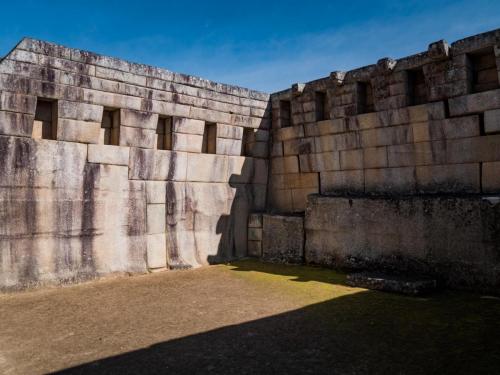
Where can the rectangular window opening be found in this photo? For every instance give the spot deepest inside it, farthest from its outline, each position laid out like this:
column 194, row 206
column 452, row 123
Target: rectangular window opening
column 45, row 122
column 285, row 113
column 417, row 90
column 209, row 144
column 164, row 133
column 322, row 109
column 110, row 127
column 365, row 97
column 247, row 141
column 482, row 70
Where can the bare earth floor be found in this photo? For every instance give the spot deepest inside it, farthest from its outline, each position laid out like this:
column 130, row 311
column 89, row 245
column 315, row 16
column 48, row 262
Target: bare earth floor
column 242, row 318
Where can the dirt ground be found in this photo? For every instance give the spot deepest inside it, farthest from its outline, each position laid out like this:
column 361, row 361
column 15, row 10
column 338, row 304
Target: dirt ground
column 245, row 318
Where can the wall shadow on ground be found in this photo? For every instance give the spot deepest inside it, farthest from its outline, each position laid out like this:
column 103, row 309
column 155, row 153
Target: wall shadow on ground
column 362, row 333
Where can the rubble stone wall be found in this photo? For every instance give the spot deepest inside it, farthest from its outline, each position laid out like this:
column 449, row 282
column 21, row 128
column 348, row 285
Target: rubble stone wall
column 86, row 186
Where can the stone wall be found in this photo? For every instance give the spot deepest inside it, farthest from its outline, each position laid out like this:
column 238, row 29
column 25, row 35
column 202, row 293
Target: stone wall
column 397, row 164
column 109, row 166
column 424, row 124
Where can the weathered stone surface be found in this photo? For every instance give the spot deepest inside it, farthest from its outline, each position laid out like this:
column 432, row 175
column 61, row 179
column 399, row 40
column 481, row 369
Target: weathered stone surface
column 188, row 126
column 157, row 252
column 17, row 102
column 79, row 111
column 342, row 182
column 137, row 137
column 78, row 131
column 207, row 168
column 491, row 177
column 412, row 286
column 390, row 181
column 255, row 221
column 452, row 238
column 492, row 121
column 187, row 142
column 107, row 154
column 16, row 124
column 283, row 239
column 454, row 178
column 157, row 165
column 138, row 119
column 226, row 146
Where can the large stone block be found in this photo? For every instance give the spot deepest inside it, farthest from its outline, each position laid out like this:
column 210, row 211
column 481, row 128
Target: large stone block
column 325, row 127
column 16, row 124
column 287, row 164
column 453, row 238
column 138, row 119
column 229, row 131
column 283, row 239
column 342, row 182
column 474, row 103
column 336, row 142
column 386, row 136
column 327, row 161
column 79, row 111
column 492, row 121
column 158, row 165
column 390, row 181
column 156, row 216
column 475, row 149
column 17, row 102
column 207, row 168
column 107, row 154
column 188, row 126
column 454, row 178
column 137, row 137
column 187, row 142
column 227, row 146
column 291, row 132
column 351, row 159
column 491, row 177
column 78, row 131
column 375, row 157
column 156, row 250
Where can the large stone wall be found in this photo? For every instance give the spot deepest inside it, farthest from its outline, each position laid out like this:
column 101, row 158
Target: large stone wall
column 448, row 143
column 72, row 207
column 397, row 164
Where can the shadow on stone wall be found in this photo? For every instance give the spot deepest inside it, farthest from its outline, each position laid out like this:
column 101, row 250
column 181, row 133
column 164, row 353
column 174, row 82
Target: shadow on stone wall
column 363, row 333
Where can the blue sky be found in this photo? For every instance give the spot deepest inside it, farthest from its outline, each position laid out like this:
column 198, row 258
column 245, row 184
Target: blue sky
column 264, row 45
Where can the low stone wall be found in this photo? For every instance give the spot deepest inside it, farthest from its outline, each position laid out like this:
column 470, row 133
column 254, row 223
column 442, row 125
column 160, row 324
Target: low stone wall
column 455, row 239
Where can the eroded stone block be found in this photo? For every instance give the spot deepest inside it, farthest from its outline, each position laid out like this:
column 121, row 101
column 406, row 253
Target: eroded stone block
column 283, row 239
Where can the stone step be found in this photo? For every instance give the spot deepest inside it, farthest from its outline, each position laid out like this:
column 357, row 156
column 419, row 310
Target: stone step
column 392, row 283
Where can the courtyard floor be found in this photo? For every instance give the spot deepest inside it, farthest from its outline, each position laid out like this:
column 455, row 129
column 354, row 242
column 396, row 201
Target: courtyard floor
column 245, row 318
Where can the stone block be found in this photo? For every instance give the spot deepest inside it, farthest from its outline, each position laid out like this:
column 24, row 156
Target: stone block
column 257, row 149
column 107, row 154
column 156, row 218
column 138, row 119
column 375, row 157
column 291, row 132
column 418, row 235
column 454, row 178
column 300, row 196
column 351, row 159
column 325, row 127
column 492, row 121
column 207, row 168
column 156, row 192
column 158, row 165
column 260, row 171
column 342, row 182
column 417, row 154
column 17, row 103
column 156, row 251
column 283, row 239
column 491, row 177
column 390, row 181
column 255, row 249
column 188, row 126
column 78, row 131
column 187, row 142
column 259, row 197
column 255, row 234
column 368, row 120
column 277, row 149
column 240, row 170
column 79, row 111
column 137, row 137
column 229, row 131
column 281, row 200
column 255, row 221
column 475, row 149
column 336, row 142
column 426, row 112
column 16, row 124
column 227, row 146
column 299, row 146
column 474, row 103
column 386, row 136
column 327, row 161
column 287, row 164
